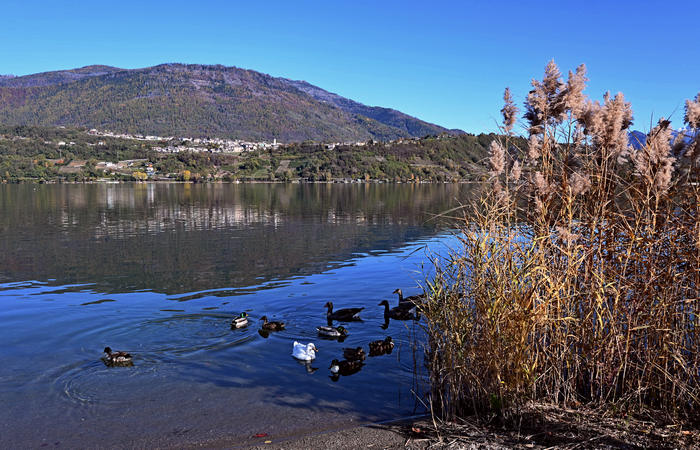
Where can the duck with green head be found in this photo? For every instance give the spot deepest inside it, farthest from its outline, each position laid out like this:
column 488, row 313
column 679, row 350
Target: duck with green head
column 240, row 321
column 334, row 332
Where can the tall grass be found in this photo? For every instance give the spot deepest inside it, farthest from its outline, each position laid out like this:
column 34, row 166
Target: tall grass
column 578, row 276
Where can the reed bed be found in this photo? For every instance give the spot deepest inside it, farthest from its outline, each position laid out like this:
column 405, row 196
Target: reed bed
column 577, row 277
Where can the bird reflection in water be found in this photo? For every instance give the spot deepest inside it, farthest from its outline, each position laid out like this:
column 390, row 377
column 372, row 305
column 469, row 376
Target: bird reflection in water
column 307, row 365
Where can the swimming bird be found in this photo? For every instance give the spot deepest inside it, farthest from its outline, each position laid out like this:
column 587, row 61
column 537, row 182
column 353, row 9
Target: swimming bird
column 240, row 321
column 377, row 348
column 117, row 358
column 397, row 312
column 332, row 331
column 345, row 314
column 271, row 326
column 354, row 354
column 304, row 352
column 413, row 300
column 345, row 367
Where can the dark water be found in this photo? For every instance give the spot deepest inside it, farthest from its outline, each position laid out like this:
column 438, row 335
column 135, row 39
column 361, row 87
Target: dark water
column 160, row 269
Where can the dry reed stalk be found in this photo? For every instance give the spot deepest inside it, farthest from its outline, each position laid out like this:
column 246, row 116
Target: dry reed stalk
column 578, row 276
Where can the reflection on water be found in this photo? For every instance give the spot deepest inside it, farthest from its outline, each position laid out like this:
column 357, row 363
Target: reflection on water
column 160, row 271
column 179, row 238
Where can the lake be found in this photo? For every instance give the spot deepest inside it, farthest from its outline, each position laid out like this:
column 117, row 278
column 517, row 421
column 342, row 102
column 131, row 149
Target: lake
column 160, row 270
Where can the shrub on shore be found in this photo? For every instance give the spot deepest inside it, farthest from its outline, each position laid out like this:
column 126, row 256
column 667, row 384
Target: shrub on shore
column 578, row 276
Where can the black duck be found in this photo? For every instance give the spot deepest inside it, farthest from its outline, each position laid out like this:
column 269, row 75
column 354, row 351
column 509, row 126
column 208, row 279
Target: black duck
column 397, row 312
column 345, row 314
column 345, row 367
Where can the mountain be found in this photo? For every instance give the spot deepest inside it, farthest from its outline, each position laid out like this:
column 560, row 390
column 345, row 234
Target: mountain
column 638, row 139
column 198, row 101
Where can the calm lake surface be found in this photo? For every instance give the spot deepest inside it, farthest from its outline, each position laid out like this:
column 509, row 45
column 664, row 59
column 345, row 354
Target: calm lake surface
column 161, row 269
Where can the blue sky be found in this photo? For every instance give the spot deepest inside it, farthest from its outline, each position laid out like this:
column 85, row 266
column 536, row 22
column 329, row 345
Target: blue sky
column 446, row 62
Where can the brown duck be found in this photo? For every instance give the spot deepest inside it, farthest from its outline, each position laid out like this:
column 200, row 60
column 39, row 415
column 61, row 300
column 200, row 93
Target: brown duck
column 354, row 354
column 381, row 347
column 117, row 358
column 271, row 326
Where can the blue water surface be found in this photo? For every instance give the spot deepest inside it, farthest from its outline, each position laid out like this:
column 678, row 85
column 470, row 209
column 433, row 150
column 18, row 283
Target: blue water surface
column 160, row 270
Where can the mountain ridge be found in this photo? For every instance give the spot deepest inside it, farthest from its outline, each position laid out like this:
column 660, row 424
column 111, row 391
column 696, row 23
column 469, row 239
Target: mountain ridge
column 199, row 100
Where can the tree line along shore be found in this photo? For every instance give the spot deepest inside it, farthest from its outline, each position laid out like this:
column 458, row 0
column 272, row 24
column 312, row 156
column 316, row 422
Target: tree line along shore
column 61, row 154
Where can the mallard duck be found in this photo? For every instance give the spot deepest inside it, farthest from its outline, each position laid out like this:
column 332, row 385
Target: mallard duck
column 271, row 326
column 240, row 321
column 304, row 352
column 345, row 314
column 117, row 358
column 397, row 312
column 345, row 367
column 410, row 301
column 380, row 347
column 354, row 354
column 332, row 331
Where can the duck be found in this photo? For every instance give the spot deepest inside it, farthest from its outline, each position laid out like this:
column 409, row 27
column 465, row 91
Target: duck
column 345, row 367
column 354, row 354
column 345, row 314
column 117, row 358
column 398, row 312
column 380, row 347
column 332, row 331
column 240, row 321
column 304, row 352
column 271, row 326
column 412, row 300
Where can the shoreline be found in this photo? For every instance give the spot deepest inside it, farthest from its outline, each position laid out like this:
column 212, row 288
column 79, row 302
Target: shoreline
column 237, row 182
column 541, row 427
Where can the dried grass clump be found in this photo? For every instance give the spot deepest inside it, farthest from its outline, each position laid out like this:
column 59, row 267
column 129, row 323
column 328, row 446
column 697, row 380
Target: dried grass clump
column 579, row 273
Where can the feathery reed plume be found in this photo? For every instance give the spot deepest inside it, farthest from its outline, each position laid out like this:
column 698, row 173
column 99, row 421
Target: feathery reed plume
column 533, row 147
column 608, row 124
column 545, row 103
column 653, row 162
column 574, row 99
column 540, row 184
column 516, row 171
column 583, row 286
column 692, row 112
column 692, row 119
column 497, row 158
column 580, row 184
column 509, row 112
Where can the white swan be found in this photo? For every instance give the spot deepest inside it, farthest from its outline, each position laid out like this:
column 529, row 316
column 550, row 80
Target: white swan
column 304, row 352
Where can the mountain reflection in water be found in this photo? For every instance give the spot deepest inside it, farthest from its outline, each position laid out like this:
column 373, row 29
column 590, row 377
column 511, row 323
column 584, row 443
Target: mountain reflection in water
column 184, row 238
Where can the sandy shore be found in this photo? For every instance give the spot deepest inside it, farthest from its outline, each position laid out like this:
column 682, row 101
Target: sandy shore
column 373, row 436
column 560, row 429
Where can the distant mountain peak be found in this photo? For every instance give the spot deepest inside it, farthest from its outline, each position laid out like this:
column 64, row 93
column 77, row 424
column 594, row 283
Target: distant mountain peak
column 199, row 100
